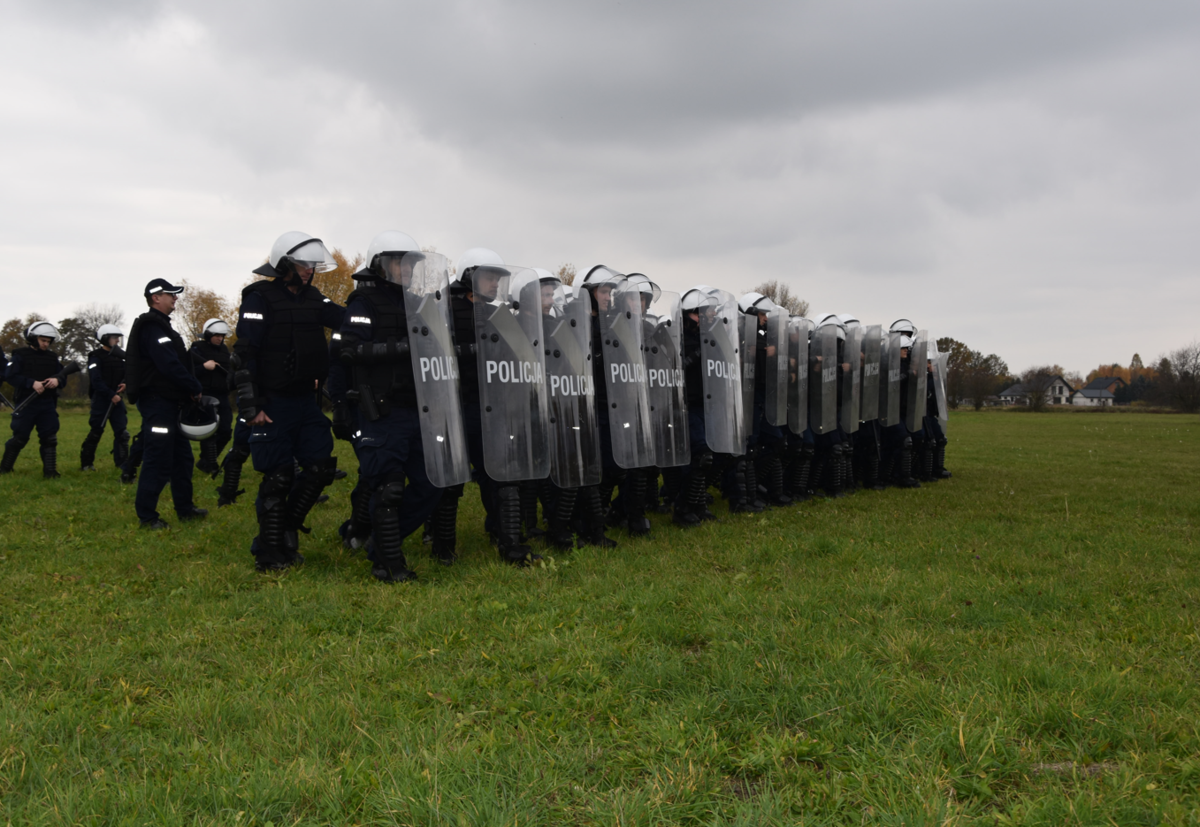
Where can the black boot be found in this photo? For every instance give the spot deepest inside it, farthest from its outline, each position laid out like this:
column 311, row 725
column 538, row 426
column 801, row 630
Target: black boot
column 771, row 467
column 357, row 530
column 752, row 493
column 561, row 536
column 121, row 448
column 530, row 529
column 129, row 468
column 819, row 473
column 508, row 506
column 270, row 551
column 49, row 452
column 836, row 469
column 799, row 474
column 905, row 478
column 445, row 526
column 228, row 491
column 927, row 450
column 691, row 507
column 590, row 502
column 386, row 549
column 87, row 452
column 12, row 449
column 939, row 460
column 633, row 492
column 741, row 499
column 307, row 491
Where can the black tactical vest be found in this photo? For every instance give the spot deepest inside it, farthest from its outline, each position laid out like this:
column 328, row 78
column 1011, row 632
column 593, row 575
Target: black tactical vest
column 38, row 365
column 693, row 375
column 295, row 353
column 140, row 373
column 112, row 367
column 214, row 382
column 392, row 381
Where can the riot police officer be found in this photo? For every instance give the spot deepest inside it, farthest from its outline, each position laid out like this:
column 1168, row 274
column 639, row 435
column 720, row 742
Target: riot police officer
column 159, row 381
column 37, row 376
column 106, row 383
column 376, row 344
column 212, row 363
column 284, row 357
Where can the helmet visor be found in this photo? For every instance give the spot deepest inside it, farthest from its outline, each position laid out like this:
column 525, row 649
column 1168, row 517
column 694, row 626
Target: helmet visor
column 312, row 254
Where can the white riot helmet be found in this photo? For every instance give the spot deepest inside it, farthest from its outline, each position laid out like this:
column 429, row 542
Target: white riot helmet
column 905, row 341
column 903, row 326
column 601, row 274
column 199, row 420
column 699, row 296
column 849, row 320
column 214, row 327
column 476, row 257
column 40, row 329
column 106, row 331
column 296, row 248
column 830, row 319
column 645, row 286
column 390, row 244
column 755, row 303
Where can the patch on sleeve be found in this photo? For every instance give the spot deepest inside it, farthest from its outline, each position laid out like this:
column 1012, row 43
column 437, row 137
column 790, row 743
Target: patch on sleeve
column 164, row 340
column 359, row 320
column 254, row 316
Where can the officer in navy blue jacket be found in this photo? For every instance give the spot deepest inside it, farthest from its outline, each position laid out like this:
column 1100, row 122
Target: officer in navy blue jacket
column 106, row 382
column 284, row 357
column 160, row 382
column 35, row 372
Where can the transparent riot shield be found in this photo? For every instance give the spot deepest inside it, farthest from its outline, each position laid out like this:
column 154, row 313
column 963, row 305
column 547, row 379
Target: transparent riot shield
column 851, row 379
column 889, row 379
column 918, row 373
column 775, row 342
column 748, row 351
column 871, row 347
column 624, row 368
column 721, row 373
column 574, row 435
column 512, row 373
column 435, row 366
column 797, row 405
column 822, row 379
column 937, row 375
column 664, row 375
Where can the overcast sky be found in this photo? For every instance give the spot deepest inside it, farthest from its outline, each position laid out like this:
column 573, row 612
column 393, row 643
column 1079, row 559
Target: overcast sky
column 1019, row 175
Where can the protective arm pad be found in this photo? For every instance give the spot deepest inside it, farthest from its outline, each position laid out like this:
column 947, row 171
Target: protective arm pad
column 248, row 401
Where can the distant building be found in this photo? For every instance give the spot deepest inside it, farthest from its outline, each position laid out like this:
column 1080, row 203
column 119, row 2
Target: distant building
column 1093, row 397
column 1105, row 383
column 1058, row 393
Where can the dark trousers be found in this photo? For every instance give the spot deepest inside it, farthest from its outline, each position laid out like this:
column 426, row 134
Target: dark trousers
column 41, row 413
column 118, row 419
column 166, row 457
column 390, row 450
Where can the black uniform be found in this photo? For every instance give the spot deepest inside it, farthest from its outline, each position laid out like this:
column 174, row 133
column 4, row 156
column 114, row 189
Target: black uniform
column 216, row 384
column 106, row 373
column 29, row 365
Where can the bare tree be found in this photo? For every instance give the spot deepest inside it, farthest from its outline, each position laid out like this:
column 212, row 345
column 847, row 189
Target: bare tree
column 781, row 294
column 1179, row 378
column 93, row 315
column 1035, row 383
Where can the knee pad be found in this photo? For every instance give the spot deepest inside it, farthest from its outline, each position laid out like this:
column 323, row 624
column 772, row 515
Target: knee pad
column 323, row 470
column 908, row 442
column 49, row 442
column 277, row 484
column 239, row 453
column 391, row 492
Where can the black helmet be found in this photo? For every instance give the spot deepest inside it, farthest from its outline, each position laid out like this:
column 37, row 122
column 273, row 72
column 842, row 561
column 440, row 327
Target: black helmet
column 199, row 419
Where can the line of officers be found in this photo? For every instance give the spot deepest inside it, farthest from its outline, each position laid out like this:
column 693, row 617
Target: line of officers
column 601, row 402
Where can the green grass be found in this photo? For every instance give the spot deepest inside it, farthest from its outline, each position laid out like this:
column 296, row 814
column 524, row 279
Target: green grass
column 1016, row 645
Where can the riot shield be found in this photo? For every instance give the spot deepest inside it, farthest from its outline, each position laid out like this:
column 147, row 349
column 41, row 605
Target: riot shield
column 435, row 366
column 720, row 369
column 937, row 375
column 775, row 341
column 574, row 435
column 748, row 352
column 624, row 369
column 822, row 379
column 664, row 374
column 512, row 373
column 918, row 373
column 851, row 389
column 871, row 346
column 889, row 379
column 797, row 362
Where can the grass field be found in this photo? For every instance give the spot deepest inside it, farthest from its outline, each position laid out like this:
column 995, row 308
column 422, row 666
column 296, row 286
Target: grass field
column 1016, row 645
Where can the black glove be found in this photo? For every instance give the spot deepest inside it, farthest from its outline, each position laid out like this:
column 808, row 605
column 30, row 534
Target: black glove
column 342, row 428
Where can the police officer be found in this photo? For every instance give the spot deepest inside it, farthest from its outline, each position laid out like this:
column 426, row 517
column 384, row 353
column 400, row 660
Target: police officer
column 284, row 356
column 898, row 441
column 37, row 376
column 160, row 382
column 691, row 503
column 375, row 344
column 212, row 363
column 106, row 383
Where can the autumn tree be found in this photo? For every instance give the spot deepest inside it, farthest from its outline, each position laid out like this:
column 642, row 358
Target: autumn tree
column 970, row 374
column 1035, row 383
column 782, row 295
column 1179, row 378
column 195, row 306
column 566, row 273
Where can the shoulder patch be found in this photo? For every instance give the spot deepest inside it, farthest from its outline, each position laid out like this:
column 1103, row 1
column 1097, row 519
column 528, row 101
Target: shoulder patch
column 253, row 316
column 164, row 340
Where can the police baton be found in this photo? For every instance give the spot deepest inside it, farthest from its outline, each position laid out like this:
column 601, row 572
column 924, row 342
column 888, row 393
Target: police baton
column 72, row 367
column 4, row 400
column 104, row 421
